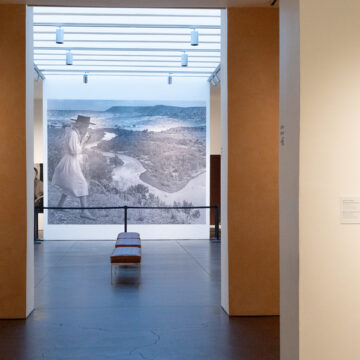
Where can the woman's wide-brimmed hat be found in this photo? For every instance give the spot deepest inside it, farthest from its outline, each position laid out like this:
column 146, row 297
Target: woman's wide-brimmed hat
column 84, row 120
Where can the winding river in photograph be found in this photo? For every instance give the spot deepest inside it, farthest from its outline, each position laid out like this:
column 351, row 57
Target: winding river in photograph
column 153, row 155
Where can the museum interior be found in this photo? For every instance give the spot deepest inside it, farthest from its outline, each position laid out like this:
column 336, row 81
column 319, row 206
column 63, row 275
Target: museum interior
column 179, row 182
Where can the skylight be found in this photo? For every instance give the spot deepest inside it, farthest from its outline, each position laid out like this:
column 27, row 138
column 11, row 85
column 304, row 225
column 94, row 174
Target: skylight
column 127, row 41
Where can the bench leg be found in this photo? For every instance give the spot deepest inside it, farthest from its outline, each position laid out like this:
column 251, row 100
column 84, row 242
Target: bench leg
column 115, row 266
column 111, row 270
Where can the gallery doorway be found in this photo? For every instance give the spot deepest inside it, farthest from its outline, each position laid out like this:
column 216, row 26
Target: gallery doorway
column 146, row 85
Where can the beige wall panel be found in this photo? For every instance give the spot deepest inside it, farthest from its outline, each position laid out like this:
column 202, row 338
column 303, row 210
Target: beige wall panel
column 215, row 119
column 13, row 223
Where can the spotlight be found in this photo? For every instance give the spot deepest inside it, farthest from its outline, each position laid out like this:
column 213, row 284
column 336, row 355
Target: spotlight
column 170, row 79
column 194, row 38
column 85, row 78
column 59, row 35
column 216, row 78
column 184, row 59
column 69, row 58
column 212, row 82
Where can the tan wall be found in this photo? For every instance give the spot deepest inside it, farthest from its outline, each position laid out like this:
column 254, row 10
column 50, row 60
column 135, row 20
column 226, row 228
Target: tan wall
column 13, row 223
column 215, row 123
column 253, row 234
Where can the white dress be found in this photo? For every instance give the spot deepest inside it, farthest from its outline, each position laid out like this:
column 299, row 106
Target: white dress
column 68, row 175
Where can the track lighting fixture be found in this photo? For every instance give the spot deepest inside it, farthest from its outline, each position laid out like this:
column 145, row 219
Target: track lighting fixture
column 194, row 38
column 170, row 79
column 69, row 58
column 85, row 78
column 59, row 35
column 184, row 59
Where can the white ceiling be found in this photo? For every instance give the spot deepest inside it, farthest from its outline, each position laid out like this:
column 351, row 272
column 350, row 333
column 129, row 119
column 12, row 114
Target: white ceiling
column 146, row 42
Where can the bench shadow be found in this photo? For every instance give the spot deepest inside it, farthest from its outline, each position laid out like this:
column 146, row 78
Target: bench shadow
column 126, row 276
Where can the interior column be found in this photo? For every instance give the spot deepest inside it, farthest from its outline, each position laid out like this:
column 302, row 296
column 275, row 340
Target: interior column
column 16, row 252
column 252, row 232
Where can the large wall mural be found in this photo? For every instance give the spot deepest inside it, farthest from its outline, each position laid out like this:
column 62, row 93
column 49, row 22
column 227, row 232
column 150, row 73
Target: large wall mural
column 111, row 153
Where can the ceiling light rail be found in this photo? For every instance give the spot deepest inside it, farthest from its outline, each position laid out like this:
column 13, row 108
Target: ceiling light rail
column 125, row 66
column 125, row 71
column 77, row 48
column 127, row 15
column 132, row 74
column 60, row 59
column 69, row 32
column 193, row 56
column 128, row 41
column 138, row 26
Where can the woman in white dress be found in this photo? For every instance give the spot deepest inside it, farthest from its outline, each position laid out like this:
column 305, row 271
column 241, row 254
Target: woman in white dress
column 68, row 175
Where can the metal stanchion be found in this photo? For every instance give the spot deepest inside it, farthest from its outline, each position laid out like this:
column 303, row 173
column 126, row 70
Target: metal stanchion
column 126, row 208
column 217, row 221
column 125, row 218
column 36, row 225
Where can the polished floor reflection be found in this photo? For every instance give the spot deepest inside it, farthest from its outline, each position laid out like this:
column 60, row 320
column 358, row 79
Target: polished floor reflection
column 168, row 310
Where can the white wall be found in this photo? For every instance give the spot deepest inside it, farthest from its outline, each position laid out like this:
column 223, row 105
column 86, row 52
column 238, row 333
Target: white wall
column 329, row 169
column 327, row 63
column 224, row 167
column 123, row 88
column 289, row 179
column 38, row 130
column 30, row 293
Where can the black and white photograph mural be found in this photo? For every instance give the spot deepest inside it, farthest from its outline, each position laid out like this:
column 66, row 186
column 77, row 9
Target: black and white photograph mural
column 116, row 153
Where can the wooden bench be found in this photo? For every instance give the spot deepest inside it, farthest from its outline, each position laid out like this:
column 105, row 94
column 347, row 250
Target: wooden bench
column 128, row 235
column 126, row 255
column 128, row 243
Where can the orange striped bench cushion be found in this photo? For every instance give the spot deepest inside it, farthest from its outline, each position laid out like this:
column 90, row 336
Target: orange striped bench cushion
column 128, row 242
column 128, row 235
column 126, row 255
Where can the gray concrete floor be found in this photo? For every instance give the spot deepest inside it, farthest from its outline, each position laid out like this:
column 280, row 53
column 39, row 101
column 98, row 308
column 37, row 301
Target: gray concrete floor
column 168, row 310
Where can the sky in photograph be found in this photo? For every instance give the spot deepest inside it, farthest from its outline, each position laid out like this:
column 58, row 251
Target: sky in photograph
column 103, row 105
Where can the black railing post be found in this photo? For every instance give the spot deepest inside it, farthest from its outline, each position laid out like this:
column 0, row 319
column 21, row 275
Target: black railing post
column 217, row 220
column 36, row 224
column 125, row 218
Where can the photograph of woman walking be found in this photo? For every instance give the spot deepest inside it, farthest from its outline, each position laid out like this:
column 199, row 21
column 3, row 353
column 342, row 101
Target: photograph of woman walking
column 141, row 154
column 68, row 175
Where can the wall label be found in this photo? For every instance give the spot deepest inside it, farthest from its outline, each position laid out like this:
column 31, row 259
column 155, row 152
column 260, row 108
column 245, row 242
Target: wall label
column 350, row 210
